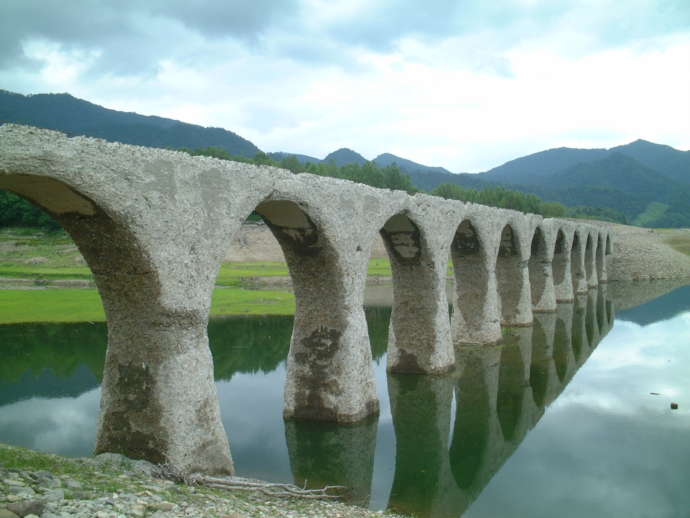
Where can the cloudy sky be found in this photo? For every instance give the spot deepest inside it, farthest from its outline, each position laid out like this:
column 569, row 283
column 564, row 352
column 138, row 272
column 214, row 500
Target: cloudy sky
column 462, row 84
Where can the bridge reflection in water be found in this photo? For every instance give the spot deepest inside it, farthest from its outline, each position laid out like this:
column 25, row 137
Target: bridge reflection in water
column 453, row 432
column 498, row 394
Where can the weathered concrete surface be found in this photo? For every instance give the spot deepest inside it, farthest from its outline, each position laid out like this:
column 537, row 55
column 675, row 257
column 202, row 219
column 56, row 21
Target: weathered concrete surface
column 476, row 307
column 418, row 243
column 154, row 227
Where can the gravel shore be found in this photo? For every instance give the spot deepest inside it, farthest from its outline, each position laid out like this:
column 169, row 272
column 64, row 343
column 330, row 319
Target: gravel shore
column 641, row 254
column 38, row 485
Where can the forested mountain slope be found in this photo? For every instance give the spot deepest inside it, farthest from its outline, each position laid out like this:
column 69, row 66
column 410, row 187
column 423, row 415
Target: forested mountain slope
column 74, row 116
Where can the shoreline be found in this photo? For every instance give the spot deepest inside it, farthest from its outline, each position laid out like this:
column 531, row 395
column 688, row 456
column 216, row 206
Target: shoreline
column 110, row 486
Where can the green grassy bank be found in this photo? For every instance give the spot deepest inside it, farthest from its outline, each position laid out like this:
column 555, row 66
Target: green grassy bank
column 65, row 305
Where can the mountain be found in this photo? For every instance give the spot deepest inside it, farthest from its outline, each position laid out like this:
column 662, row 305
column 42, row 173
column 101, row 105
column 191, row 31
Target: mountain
column 74, row 116
column 671, row 162
column 532, row 169
column 406, row 165
column 344, row 156
column 619, row 182
column 305, row 159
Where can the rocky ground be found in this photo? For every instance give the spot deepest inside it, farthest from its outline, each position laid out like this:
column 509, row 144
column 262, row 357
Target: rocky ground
column 36, row 485
column 649, row 254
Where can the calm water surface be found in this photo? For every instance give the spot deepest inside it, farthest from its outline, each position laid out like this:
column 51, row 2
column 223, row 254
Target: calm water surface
column 561, row 420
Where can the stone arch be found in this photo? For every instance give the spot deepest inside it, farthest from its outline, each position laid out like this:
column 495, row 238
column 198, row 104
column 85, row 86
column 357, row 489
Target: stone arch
column 510, row 276
column 540, row 273
column 590, row 253
column 137, row 417
column 577, row 265
column 419, row 336
column 562, row 280
column 329, row 372
column 475, row 318
column 600, row 256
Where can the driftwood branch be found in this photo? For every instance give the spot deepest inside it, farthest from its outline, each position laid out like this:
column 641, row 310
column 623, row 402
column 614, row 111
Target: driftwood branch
column 167, row 471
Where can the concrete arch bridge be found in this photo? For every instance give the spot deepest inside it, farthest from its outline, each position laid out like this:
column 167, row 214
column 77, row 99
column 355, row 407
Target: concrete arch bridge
column 154, row 226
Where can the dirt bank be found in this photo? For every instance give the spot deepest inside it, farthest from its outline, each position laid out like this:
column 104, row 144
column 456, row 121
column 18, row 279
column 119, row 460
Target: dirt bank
column 638, row 253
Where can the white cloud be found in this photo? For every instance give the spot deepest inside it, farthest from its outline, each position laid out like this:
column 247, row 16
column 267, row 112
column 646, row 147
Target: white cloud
column 466, row 88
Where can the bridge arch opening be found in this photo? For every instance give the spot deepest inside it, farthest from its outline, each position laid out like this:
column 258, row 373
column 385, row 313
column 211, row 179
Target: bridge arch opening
column 418, row 340
column 538, row 266
column 509, row 276
column 601, row 259
column 560, row 259
column 108, row 247
column 473, row 282
column 577, row 273
column 590, row 259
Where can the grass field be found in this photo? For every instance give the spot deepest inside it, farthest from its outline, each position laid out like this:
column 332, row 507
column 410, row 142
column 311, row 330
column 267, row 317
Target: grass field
column 31, row 254
column 45, row 257
column 678, row 240
column 65, row 305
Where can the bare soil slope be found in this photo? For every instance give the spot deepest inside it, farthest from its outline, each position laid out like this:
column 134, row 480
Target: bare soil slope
column 638, row 253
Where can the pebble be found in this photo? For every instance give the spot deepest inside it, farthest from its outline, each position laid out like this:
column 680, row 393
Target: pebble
column 27, row 507
column 21, row 491
column 73, row 484
column 54, row 494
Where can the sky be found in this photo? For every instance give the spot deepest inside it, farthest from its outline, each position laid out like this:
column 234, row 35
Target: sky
column 466, row 85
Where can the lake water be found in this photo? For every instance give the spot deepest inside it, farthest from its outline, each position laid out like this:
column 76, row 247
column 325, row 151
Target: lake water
column 568, row 418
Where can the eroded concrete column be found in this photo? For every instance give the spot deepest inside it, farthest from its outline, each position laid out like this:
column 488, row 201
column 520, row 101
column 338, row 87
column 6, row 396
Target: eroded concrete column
column 476, row 309
column 419, row 339
column 158, row 397
column 329, row 371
